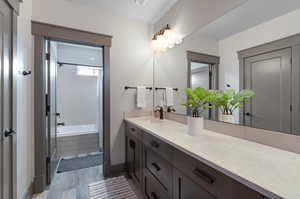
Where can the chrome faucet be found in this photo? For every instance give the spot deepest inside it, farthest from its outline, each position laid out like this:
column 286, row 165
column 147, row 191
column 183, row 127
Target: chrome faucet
column 160, row 109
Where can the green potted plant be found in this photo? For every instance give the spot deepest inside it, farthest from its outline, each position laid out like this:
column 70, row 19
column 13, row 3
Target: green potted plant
column 228, row 101
column 197, row 102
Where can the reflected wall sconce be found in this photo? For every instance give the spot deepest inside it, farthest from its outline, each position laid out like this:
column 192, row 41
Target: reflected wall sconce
column 165, row 39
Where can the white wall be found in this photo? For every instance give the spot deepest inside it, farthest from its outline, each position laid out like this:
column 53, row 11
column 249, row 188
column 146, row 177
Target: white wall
column 187, row 16
column 171, row 67
column 131, row 60
column 77, row 99
column 273, row 30
column 25, row 138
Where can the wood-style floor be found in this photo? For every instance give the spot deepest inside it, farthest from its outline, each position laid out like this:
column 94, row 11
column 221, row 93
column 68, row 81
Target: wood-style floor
column 74, row 184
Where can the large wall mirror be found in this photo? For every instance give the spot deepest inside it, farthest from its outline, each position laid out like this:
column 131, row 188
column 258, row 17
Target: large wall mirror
column 238, row 51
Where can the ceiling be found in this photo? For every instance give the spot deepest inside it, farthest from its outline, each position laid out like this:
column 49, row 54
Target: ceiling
column 150, row 12
column 248, row 15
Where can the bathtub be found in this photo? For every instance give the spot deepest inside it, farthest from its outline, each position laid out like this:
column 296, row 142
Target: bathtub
column 72, row 130
column 74, row 140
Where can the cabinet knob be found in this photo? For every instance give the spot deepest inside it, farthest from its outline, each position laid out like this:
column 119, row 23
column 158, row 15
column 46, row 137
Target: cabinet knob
column 154, row 144
column 132, row 144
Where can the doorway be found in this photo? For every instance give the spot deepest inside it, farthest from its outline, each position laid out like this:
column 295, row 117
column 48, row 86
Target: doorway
column 269, row 75
column 203, row 72
column 74, row 96
column 57, row 119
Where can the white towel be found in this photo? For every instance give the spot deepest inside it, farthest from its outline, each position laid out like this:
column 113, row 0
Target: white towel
column 141, row 97
column 169, row 97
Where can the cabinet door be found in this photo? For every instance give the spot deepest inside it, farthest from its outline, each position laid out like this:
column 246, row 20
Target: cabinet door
column 184, row 188
column 134, row 158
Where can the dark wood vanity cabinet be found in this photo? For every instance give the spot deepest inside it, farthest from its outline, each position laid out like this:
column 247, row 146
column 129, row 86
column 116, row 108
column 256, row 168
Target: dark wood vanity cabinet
column 184, row 188
column 134, row 154
column 163, row 172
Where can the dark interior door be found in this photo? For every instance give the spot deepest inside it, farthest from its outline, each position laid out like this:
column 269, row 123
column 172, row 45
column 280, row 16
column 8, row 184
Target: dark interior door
column 269, row 75
column 52, row 159
column 7, row 133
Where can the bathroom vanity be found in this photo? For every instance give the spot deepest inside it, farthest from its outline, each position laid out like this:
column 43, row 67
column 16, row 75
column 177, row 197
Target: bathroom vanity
column 165, row 162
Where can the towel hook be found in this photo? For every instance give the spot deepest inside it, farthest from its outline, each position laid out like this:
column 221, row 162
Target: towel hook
column 25, row 73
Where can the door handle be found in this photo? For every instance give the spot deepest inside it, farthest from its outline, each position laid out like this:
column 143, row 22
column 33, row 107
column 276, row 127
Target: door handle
column 248, row 114
column 60, row 124
column 9, row 132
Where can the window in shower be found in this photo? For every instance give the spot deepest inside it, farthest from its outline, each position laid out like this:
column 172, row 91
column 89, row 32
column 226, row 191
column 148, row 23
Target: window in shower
column 79, row 99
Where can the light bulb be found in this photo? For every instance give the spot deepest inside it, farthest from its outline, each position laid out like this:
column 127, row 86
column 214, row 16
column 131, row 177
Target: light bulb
column 178, row 40
column 154, row 44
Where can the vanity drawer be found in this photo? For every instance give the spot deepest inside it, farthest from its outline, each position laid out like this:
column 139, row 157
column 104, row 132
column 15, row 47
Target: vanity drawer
column 153, row 189
column 160, row 168
column 216, row 183
column 158, row 146
column 133, row 130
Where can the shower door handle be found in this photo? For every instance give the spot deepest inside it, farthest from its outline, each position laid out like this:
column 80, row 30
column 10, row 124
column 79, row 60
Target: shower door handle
column 60, row 124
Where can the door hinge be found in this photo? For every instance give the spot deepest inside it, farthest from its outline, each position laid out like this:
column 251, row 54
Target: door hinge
column 48, row 160
column 47, row 105
column 47, row 56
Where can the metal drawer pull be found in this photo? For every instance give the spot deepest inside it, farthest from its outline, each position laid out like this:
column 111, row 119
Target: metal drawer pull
column 154, row 195
column 156, row 166
column 154, row 144
column 204, row 176
column 9, row 132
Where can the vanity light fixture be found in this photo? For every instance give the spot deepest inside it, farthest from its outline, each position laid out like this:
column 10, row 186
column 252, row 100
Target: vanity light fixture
column 165, row 39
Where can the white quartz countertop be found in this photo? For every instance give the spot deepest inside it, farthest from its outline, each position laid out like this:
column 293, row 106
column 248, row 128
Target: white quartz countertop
column 270, row 171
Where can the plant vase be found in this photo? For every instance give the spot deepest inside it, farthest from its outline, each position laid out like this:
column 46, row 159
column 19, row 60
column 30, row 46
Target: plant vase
column 227, row 118
column 195, row 125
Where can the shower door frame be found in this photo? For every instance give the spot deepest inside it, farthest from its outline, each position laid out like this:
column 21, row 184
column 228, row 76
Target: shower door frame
column 41, row 33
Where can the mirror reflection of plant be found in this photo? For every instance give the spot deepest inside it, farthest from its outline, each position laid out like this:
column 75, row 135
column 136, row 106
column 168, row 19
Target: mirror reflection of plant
column 229, row 100
column 198, row 101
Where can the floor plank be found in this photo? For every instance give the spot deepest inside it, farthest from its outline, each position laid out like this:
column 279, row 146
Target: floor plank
column 74, row 184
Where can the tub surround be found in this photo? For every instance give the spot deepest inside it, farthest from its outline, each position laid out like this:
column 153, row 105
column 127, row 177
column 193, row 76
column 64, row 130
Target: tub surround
column 272, row 172
column 74, row 145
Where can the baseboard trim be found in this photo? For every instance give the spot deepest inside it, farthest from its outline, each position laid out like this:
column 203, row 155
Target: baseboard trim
column 117, row 169
column 39, row 184
column 29, row 192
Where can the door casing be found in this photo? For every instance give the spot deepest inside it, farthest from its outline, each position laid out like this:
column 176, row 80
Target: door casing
column 41, row 33
column 13, row 75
